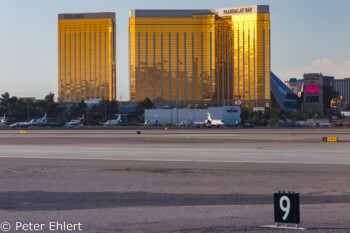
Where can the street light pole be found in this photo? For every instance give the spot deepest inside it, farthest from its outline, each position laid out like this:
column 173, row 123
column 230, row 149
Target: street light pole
column 27, row 110
column 177, row 114
column 105, row 105
column 171, row 116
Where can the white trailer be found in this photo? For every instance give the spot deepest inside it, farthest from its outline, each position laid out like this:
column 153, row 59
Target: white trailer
column 230, row 115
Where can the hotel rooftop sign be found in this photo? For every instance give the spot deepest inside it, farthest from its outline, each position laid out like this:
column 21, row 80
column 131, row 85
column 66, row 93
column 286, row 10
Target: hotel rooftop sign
column 242, row 10
column 189, row 13
column 72, row 16
column 75, row 16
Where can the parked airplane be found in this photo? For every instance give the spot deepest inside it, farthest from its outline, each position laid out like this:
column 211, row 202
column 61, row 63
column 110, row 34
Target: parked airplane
column 4, row 119
column 210, row 122
column 191, row 123
column 52, row 124
column 326, row 124
column 301, row 123
column 114, row 121
column 3, row 122
column 188, row 122
column 75, row 123
column 33, row 122
column 151, row 122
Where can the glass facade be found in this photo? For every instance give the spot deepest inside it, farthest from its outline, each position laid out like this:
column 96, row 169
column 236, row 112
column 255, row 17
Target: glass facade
column 86, row 56
column 212, row 56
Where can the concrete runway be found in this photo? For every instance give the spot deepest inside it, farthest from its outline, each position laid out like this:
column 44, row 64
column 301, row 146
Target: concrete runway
column 203, row 145
column 183, row 180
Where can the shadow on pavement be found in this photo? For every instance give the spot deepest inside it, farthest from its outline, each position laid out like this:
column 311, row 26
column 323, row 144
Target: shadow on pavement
column 35, row 200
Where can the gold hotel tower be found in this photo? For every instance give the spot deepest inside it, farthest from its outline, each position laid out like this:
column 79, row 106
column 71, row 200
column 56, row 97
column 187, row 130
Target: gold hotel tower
column 86, row 56
column 201, row 56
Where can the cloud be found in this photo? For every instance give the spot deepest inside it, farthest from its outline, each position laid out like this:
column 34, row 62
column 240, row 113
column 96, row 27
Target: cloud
column 323, row 61
column 323, row 65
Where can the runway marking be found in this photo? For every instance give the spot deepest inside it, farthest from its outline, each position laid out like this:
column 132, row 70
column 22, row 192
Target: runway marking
column 178, row 160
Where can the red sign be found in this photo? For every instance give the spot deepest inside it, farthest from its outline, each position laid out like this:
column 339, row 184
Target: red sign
column 232, row 110
column 312, row 89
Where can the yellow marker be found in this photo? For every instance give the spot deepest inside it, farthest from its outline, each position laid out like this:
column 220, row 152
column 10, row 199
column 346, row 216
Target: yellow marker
column 330, row 139
column 166, row 128
column 22, row 131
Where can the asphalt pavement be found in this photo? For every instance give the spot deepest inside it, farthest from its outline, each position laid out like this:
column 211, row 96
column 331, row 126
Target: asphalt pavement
column 219, row 180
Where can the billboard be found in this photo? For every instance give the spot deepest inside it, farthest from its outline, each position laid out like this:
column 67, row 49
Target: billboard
column 312, row 89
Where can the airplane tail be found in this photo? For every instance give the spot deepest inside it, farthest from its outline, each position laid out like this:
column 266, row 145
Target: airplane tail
column 208, row 115
column 82, row 119
column 44, row 118
column 4, row 120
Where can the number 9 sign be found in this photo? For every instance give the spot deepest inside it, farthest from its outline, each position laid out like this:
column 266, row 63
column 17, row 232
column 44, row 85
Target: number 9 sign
column 287, row 207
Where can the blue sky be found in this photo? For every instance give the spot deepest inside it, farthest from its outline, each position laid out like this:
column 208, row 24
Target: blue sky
column 306, row 36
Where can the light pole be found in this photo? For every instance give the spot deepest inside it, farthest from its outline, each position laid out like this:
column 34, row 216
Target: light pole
column 27, row 110
column 171, row 116
column 105, row 106
column 87, row 117
column 177, row 114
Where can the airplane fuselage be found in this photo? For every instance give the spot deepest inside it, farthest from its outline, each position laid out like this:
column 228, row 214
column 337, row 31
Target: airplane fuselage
column 75, row 123
column 151, row 122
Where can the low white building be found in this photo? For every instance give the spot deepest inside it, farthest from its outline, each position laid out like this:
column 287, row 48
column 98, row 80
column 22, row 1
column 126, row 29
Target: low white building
column 230, row 115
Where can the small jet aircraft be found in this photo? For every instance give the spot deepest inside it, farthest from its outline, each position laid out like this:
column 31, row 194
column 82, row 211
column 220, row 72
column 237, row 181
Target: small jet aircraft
column 188, row 122
column 301, row 124
column 52, row 124
column 113, row 122
column 33, row 122
column 75, row 123
column 151, row 123
column 326, row 124
column 191, row 123
column 210, row 122
column 3, row 121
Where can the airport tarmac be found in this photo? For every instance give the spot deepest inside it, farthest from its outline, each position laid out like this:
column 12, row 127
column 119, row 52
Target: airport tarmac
column 183, row 180
column 202, row 145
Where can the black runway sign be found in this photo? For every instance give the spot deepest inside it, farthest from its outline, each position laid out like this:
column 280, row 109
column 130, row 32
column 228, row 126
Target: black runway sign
column 287, row 207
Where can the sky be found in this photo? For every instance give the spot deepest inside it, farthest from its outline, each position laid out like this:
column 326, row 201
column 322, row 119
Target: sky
column 306, row 36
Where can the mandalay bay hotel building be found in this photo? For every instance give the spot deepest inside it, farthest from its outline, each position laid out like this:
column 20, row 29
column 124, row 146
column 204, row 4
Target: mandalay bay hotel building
column 213, row 57
column 86, row 56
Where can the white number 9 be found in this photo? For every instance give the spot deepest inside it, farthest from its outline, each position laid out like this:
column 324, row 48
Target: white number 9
column 286, row 208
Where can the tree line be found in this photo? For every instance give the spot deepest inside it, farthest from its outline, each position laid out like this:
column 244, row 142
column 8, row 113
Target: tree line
column 273, row 115
column 18, row 109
